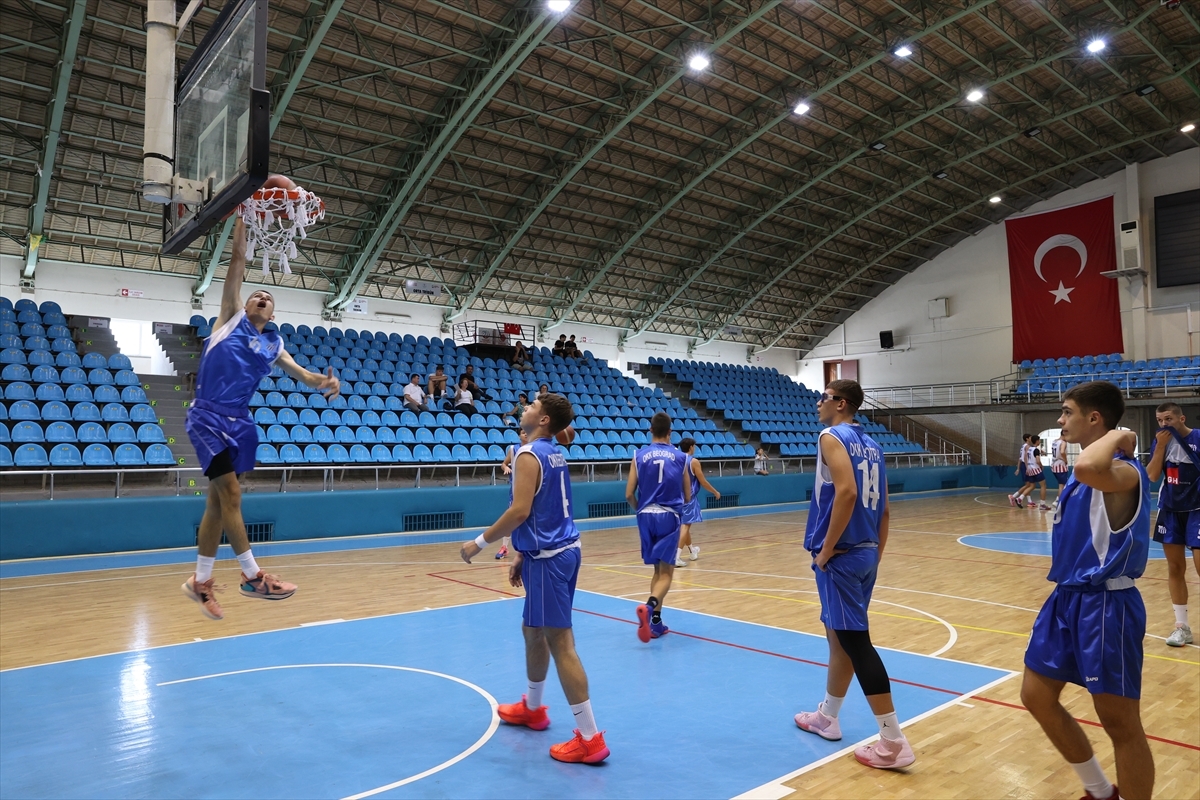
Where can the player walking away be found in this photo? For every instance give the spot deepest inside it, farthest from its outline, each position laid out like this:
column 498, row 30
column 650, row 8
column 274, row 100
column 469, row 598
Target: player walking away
column 1175, row 453
column 1058, row 465
column 1034, row 475
column 547, row 565
column 1015, row 499
column 691, row 510
column 510, row 456
column 237, row 355
column 846, row 532
column 658, row 488
column 1090, row 630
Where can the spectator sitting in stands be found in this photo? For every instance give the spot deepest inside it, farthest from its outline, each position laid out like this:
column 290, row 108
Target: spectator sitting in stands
column 521, row 358
column 414, row 396
column 760, row 462
column 543, row 390
column 462, row 400
column 570, row 349
column 513, row 415
column 469, row 374
column 560, row 347
column 438, row 384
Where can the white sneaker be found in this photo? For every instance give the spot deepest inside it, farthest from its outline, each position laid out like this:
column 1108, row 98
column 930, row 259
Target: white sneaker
column 679, row 562
column 1180, row 636
column 695, row 549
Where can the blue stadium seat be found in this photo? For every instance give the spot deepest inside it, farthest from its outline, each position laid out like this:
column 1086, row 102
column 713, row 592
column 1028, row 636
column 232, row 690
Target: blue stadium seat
column 121, row 432
column 60, row 432
column 277, row 434
column 126, row 378
column 266, row 454
column 118, row 361
column 99, row 376
column 159, row 455
column 114, row 412
column 28, row 432
column 65, row 455
column 150, row 432
column 92, row 432
column 315, row 454
column 85, row 412
column 15, row 372
column 73, row 375
column 402, row 454
column 338, row 454
column 24, row 409
column 6, row 458
column 56, row 409
column 12, row 355
column 107, row 394
column 18, row 391
column 94, row 361
column 31, row 455
column 291, row 454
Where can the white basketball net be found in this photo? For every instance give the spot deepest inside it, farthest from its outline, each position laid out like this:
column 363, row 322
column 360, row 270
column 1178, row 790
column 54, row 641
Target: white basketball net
column 273, row 218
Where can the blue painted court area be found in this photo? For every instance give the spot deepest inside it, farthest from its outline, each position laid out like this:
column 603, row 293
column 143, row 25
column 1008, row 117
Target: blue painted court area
column 1026, row 543
column 346, row 709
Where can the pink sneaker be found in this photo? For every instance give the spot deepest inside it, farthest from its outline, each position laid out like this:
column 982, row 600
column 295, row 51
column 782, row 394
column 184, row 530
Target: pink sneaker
column 886, row 754
column 267, row 587
column 1044, row 507
column 204, row 594
column 1012, row 500
column 818, row 723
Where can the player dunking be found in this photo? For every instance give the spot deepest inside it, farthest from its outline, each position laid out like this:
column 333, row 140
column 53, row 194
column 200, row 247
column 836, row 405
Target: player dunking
column 1175, row 454
column 691, row 510
column 237, row 355
column 547, row 564
column 846, row 532
column 1090, row 630
column 658, row 488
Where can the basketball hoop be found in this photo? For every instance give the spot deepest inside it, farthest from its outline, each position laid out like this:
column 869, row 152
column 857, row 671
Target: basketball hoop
column 273, row 218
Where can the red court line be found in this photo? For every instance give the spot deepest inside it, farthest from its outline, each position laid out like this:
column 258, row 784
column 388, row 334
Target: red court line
column 797, row 659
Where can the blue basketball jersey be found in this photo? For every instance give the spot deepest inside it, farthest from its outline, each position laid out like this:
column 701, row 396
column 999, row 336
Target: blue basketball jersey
column 687, row 466
column 867, row 461
column 235, row 358
column 1180, row 489
column 660, row 476
column 1085, row 550
column 549, row 525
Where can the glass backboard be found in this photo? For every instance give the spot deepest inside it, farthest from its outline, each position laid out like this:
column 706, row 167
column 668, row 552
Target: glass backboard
column 222, row 124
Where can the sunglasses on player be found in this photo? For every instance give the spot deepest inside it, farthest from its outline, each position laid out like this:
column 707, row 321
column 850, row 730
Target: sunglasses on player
column 825, row 398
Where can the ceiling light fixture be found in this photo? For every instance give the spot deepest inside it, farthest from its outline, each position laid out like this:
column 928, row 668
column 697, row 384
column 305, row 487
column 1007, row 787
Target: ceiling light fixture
column 904, row 51
column 941, row 174
column 1032, row 132
column 975, row 95
column 1096, row 45
column 877, row 146
column 1187, row 128
column 1144, row 90
column 699, row 62
column 802, row 108
column 558, row 6
column 994, row 199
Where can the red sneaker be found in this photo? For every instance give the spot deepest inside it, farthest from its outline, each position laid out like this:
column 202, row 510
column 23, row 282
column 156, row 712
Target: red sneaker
column 204, row 594
column 1114, row 796
column 521, row 714
column 580, row 750
column 643, row 629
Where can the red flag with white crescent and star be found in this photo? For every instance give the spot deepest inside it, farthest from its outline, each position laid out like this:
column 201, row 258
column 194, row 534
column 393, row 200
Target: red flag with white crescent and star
column 1061, row 304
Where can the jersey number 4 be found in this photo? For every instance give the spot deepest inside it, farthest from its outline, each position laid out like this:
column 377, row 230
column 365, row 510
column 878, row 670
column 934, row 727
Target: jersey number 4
column 870, row 484
column 562, row 484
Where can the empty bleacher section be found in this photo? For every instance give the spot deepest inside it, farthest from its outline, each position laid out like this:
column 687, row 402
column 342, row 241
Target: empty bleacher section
column 1157, row 376
column 70, row 398
column 763, row 403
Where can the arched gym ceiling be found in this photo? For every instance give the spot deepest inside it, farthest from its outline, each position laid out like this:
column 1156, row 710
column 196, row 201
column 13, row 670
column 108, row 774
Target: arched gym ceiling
column 572, row 168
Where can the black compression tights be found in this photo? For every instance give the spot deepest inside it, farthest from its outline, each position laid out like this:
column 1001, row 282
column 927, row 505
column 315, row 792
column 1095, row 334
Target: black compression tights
column 868, row 666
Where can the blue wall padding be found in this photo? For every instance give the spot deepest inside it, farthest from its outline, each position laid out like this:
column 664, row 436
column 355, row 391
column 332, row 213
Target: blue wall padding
column 42, row 528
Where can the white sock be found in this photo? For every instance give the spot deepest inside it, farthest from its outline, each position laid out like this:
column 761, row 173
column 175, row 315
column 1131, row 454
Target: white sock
column 584, row 721
column 1092, row 775
column 204, row 568
column 1180, row 614
column 248, row 564
column 832, row 706
column 889, row 726
column 533, row 697
column 679, row 554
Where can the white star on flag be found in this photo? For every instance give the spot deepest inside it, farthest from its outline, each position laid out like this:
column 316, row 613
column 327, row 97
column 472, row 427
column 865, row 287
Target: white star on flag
column 1062, row 294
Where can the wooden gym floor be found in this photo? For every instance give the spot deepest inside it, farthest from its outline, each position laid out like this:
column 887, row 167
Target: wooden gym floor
column 934, row 596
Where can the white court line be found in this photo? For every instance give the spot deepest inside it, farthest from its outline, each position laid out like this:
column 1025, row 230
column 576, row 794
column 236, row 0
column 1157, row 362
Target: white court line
column 773, row 790
column 322, row 622
column 494, row 722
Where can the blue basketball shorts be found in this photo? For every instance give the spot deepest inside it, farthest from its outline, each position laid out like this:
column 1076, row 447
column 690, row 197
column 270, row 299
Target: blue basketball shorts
column 659, row 532
column 1021, row 472
column 691, row 513
column 211, row 433
column 550, row 588
column 1060, row 478
column 1091, row 638
column 845, row 588
column 1178, row 527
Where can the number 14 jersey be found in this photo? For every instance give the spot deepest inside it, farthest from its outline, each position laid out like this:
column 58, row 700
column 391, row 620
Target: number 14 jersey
column 866, row 459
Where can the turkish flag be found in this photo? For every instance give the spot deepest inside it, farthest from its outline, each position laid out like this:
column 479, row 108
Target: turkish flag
column 1061, row 304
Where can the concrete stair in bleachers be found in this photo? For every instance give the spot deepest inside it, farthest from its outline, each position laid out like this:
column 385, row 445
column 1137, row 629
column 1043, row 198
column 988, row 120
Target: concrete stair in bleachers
column 92, row 335
column 169, row 396
column 653, row 374
column 181, row 346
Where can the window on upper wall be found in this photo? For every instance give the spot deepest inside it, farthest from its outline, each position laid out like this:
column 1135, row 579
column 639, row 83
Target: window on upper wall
column 1177, row 238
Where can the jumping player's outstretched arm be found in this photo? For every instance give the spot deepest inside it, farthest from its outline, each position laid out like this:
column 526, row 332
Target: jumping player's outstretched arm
column 327, row 384
column 525, row 486
column 231, row 294
column 631, row 484
column 845, row 494
column 698, row 471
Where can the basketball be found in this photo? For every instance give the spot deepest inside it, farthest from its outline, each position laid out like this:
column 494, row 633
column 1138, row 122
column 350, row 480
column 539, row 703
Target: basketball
column 278, row 182
column 565, row 436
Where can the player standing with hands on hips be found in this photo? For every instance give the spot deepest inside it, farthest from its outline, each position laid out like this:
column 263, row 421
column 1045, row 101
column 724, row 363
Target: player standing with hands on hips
column 846, row 532
column 1090, row 630
column 237, row 355
column 547, row 564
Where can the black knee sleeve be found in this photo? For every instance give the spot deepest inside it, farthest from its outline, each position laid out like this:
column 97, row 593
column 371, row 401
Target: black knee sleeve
column 868, row 666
